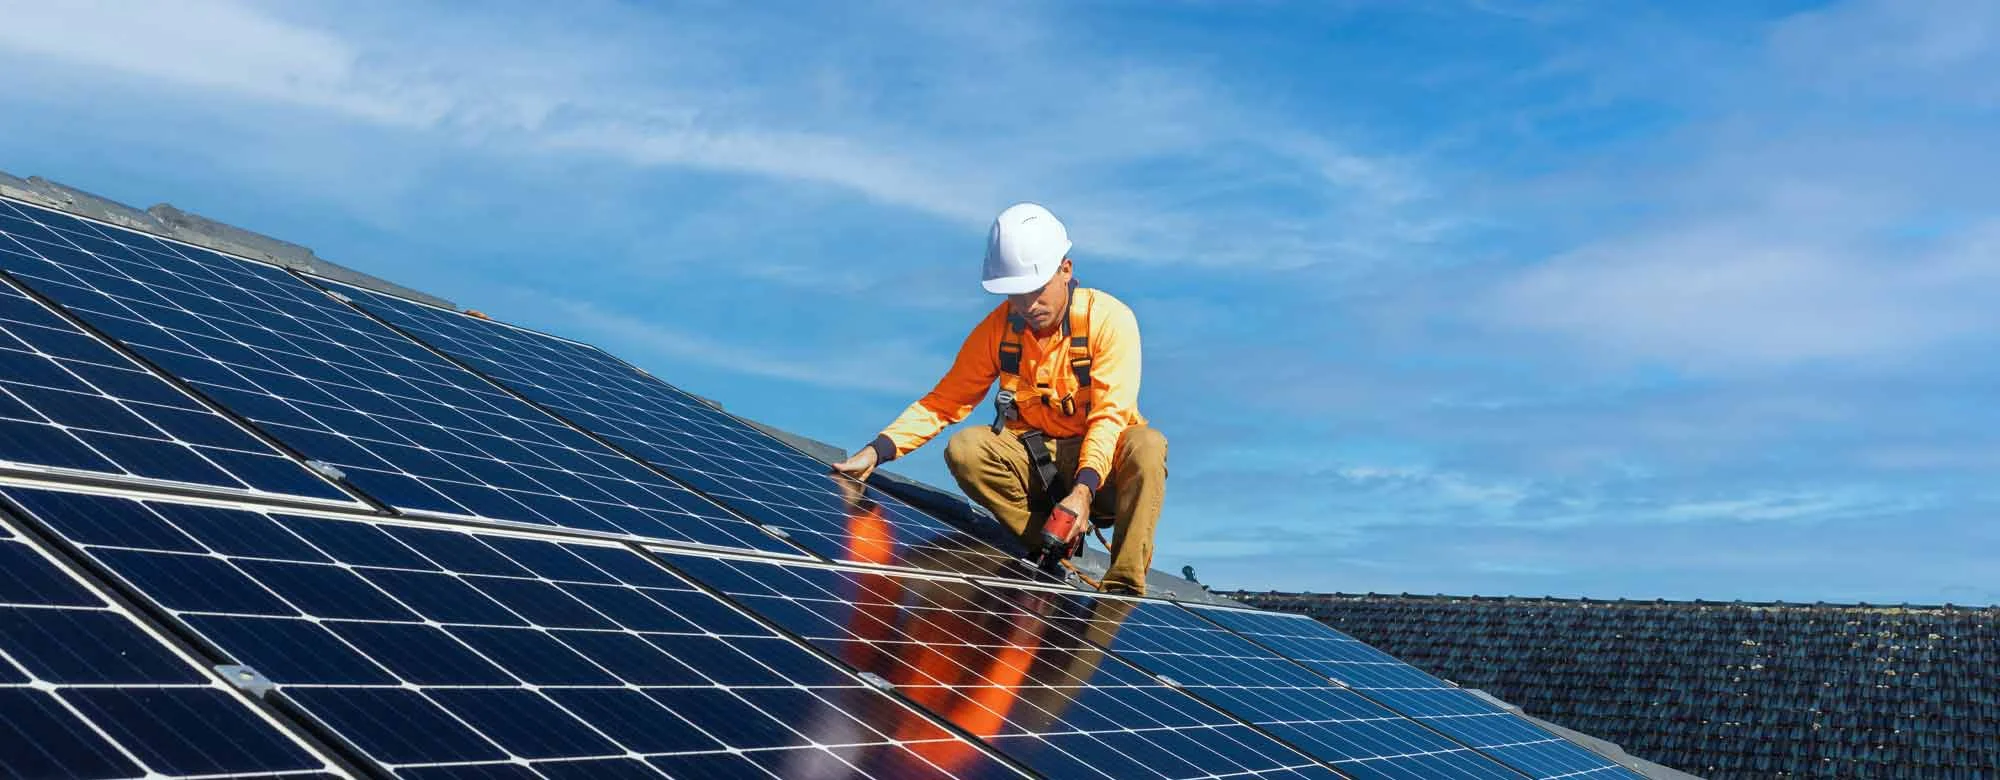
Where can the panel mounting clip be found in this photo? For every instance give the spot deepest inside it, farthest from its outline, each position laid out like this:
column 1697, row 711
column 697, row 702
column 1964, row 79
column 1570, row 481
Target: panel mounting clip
column 339, row 296
column 246, row 679
column 775, row 531
column 877, row 681
column 326, row 469
column 1168, row 681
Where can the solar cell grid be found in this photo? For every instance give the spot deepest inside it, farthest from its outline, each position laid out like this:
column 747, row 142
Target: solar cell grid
column 985, row 661
column 86, row 692
column 437, row 652
column 1405, row 689
column 406, row 427
column 734, row 463
column 69, row 401
column 1359, row 737
column 444, row 652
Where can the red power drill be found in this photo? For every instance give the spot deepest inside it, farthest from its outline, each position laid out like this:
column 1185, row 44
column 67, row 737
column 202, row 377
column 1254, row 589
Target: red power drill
column 1062, row 538
column 1062, row 533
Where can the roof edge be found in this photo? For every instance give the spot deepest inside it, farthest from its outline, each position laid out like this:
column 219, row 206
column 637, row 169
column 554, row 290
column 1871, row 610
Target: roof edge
column 1617, row 602
column 168, row 221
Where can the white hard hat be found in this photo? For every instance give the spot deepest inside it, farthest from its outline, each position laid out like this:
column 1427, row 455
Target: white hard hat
column 1024, row 249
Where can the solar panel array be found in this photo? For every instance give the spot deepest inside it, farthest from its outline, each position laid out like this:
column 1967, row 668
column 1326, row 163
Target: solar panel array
column 431, row 648
column 88, row 691
column 741, row 466
column 1046, row 698
column 258, row 523
column 69, row 401
column 1412, row 692
column 1360, row 737
column 405, row 426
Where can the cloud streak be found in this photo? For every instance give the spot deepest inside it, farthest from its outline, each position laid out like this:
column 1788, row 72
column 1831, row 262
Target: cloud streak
column 1732, row 296
column 214, row 45
column 875, row 368
column 997, row 107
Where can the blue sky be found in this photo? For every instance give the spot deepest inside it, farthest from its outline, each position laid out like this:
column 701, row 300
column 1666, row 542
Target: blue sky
column 1606, row 299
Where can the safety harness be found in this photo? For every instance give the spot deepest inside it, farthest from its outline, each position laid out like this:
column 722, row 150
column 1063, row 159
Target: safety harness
column 1076, row 336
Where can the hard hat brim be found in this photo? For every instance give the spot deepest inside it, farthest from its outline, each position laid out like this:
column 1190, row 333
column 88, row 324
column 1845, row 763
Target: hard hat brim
column 1020, row 283
column 1015, row 285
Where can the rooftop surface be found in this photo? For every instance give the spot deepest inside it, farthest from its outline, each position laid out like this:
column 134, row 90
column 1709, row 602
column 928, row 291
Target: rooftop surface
column 1721, row 689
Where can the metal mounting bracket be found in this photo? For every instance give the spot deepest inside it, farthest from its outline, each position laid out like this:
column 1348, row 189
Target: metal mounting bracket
column 246, row 679
column 326, row 469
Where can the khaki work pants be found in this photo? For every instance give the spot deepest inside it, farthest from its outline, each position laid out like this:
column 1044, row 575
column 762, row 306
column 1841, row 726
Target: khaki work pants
column 993, row 469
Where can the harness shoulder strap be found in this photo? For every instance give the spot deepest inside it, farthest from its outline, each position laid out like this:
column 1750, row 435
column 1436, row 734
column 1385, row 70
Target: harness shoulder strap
column 1077, row 328
column 1010, row 352
column 1076, row 335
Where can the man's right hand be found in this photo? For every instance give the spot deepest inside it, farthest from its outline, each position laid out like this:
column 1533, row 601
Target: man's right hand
column 859, row 465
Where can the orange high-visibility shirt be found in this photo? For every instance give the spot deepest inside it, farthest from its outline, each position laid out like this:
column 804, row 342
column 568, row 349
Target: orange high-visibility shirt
column 1113, row 394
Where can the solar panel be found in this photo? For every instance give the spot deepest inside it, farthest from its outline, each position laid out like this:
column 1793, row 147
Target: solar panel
column 87, row 692
column 1412, row 692
column 405, row 426
column 437, row 652
column 1357, row 736
column 984, row 661
column 71, row 403
column 732, row 462
column 494, row 648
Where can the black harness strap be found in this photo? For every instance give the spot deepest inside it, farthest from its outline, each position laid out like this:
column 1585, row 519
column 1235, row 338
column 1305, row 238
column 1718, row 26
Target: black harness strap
column 1076, row 336
column 1009, row 359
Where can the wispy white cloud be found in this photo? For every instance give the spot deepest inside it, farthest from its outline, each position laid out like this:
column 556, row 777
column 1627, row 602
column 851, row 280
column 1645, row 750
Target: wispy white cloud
column 999, row 107
column 1936, row 48
column 1359, row 496
column 876, row 367
column 1736, row 297
column 218, row 45
column 996, row 106
column 1820, row 213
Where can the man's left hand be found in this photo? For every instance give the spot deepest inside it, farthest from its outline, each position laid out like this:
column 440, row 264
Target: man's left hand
column 1078, row 503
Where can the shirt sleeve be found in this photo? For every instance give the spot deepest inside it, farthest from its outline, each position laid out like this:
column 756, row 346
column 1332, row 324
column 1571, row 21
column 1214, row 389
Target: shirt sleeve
column 953, row 398
column 1114, row 390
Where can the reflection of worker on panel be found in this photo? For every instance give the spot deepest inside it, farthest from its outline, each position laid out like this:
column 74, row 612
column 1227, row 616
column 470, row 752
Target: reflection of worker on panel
column 980, row 659
column 1070, row 441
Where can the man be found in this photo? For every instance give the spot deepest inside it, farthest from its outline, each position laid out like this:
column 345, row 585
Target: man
column 1071, row 357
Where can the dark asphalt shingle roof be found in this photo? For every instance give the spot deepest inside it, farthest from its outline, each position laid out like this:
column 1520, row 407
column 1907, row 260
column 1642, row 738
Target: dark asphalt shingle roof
column 1722, row 690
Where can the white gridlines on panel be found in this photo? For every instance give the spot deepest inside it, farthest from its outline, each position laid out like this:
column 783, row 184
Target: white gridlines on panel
column 1038, row 694
column 152, row 711
column 407, row 427
column 1272, row 692
column 1395, row 684
column 476, row 649
column 729, row 460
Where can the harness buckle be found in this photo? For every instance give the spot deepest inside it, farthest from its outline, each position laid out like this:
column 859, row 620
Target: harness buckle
column 1003, row 409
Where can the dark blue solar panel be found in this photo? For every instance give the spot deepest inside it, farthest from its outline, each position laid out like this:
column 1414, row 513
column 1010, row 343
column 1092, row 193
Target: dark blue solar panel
column 1414, row 693
column 85, row 692
column 406, row 426
column 986, row 661
column 730, row 461
column 1359, row 737
column 69, row 401
column 448, row 653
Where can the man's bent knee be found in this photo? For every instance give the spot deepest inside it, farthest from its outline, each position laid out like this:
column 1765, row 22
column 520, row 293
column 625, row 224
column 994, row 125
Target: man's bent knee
column 968, row 448
column 1143, row 447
